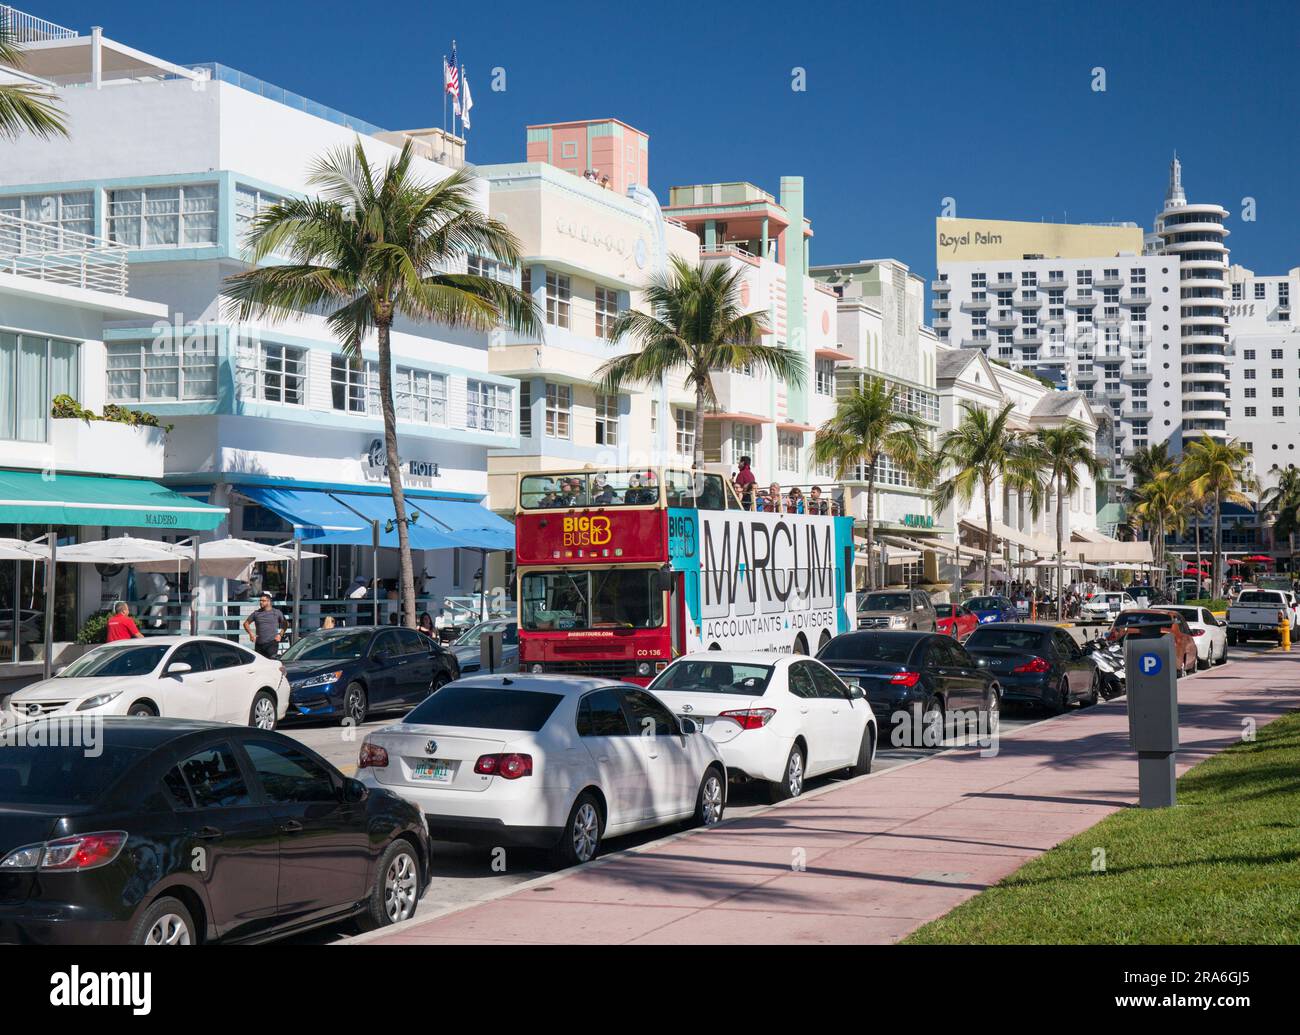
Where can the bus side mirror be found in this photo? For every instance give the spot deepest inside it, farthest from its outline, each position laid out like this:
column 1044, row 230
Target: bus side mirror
column 663, row 580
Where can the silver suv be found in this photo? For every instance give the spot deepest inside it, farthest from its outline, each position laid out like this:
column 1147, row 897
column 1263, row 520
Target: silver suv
column 897, row 609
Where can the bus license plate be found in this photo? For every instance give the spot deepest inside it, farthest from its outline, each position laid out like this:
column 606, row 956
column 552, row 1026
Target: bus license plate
column 436, row 770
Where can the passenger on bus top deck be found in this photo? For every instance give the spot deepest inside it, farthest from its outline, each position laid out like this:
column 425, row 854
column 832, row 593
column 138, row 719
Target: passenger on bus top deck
column 816, row 505
column 794, row 502
column 601, row 494
column 549, row 496
column 571, row 493
column 774, row 497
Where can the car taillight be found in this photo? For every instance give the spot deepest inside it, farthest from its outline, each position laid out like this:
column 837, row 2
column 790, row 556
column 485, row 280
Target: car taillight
column 509, row 766
column 83, row 852
column 372, row 756
column 905, row 678
column 749, row 718
column 1198, row 632
column 1033, row 665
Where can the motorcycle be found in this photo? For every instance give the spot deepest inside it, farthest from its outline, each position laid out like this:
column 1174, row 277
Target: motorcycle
column 1109, row 659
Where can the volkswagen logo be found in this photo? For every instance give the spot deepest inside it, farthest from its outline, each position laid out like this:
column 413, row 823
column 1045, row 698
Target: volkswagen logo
column 431, row 747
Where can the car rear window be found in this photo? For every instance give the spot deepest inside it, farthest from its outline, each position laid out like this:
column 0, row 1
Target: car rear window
column 989, row 636
column 886, row 647
column 1141, row 618
column 1257, row 597
column 984, row 603
column 485, row 708
column 715, row 677
column 71, row 775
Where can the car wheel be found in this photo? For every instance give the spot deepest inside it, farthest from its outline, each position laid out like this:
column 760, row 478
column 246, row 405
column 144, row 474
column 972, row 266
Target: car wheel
column 866, row 753
column 1223, row 654
column 791, row 784
column 166, row 922
column 1232, row 638
column 355, row 705
column 262, row 714
column 143, row 710
column 994, row 711
column 932, row 723
column 712, row 799
column 1208, row 659
column 439, row 681
column 396, row 891
column 1094, row 693
column 1062, row 700
column 581, row 838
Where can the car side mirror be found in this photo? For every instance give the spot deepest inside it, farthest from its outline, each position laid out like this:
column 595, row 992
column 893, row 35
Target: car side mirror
column 689, row 726
column 179, row 668
column 856, row 693
column 352, row 791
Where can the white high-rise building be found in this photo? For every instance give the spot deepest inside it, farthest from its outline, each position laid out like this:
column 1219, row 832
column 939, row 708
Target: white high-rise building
column 1194, row 234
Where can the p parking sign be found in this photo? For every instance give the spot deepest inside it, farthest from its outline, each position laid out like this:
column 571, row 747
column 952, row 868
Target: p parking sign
column 1150, row 664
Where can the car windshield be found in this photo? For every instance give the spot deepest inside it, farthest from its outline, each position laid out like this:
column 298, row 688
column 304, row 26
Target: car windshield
column 886, row 602
column 988, row 637
column 615, row 598
column 1187, row 614
column 715, row 677
column 330, row 646
column 470, row 637
column 117, row 660
column 66, row 775
column 485, row 708
column 984, row 603
column 1126, row 618
column 893, row 648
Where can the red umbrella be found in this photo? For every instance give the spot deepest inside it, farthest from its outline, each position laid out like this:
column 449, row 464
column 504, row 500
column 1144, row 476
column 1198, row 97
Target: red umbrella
column 1259, row 558
column 1189, row 570
column 1235, row 561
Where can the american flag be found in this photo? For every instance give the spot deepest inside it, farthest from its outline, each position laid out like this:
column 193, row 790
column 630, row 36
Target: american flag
column 451, row 77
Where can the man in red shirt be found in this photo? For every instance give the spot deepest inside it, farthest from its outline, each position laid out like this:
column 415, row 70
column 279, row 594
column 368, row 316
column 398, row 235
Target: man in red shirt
column 744, row 482
column 120, row 625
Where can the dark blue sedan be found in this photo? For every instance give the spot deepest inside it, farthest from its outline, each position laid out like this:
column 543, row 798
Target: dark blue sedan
column 1036, row 664
column 993, row 609
column 346, row 674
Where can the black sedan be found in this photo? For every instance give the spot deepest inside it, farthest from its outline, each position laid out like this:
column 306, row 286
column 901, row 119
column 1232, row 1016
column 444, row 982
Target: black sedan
column 175, row 832
column 922, row 686
column 1036, row 664
column 346, row 674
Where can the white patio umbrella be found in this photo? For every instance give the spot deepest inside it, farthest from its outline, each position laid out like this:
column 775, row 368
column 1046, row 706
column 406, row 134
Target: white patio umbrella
column 124, row 549
column 20, row 550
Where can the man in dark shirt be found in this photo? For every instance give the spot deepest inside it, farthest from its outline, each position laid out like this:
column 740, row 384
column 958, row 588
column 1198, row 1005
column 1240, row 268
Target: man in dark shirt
column 744, row 482
column 265, row 627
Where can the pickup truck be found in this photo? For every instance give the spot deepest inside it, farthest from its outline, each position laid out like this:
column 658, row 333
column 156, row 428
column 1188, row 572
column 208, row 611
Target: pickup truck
column 1255, row 615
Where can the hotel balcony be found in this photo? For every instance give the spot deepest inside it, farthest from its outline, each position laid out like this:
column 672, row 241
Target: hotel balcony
column 1003, row 322
column 1139, row 374
column 1134, row 299
column 975, row 305
column 941, row 305
column 40, row 251
column 942, row 323
column 940, row 285
column 1108, row 282
column 1053, row 282
column 1082, row 301
column 1003, row 285
column 1029, row 303
column 1029, row 337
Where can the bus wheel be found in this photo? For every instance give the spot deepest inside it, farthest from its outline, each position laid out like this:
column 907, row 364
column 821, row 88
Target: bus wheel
column 714, row 646
column 826, row 638
column 801, row 644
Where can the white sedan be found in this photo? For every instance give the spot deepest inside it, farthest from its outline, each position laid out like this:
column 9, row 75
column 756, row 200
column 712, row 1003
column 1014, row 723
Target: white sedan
column 775, row 717
column 1210, row 633
column 178, row 677
column 546, row 761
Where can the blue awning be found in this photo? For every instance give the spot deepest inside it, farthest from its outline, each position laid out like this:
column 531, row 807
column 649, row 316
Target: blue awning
column 348, row 518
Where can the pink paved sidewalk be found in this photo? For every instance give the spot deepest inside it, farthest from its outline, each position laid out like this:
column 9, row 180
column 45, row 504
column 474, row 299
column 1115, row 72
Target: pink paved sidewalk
column 883, row 854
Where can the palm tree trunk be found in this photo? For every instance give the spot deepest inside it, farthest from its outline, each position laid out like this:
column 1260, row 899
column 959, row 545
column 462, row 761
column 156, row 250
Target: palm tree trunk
column 988, row 537
column 698, row 461
column 1060, row 546
column 1196, row 522
column 871, row 524
column 406, row 577
column 1217, row 563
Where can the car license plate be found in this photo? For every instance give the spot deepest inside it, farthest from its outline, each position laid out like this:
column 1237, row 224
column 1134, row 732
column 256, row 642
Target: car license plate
column 435, row 770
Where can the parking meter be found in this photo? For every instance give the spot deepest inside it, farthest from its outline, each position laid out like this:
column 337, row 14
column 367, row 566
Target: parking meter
column 489, row 649
column 1152, row 675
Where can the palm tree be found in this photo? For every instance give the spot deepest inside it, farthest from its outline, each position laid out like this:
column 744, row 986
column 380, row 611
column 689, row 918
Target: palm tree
column 694, row 326
column 868, row 425
column 1283, row 502
column 1194, row 504
column 1217, row 471
column 1148, row 461
column 1156, row 508
column 374, row 246
column 1060, row 454
column 24, row 106
column 982, row 450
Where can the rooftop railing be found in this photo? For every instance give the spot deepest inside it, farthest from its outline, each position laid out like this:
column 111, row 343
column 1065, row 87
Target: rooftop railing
column 27, row 28
column 41, row 251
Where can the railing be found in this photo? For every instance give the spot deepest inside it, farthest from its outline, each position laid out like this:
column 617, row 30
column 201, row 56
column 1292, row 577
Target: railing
column 727, row 248
column 252, row 84
column 27, row 28
column 50, row 253
column 795, row 499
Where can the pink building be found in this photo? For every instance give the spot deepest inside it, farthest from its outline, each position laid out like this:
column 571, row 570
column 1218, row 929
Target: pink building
column 606, row 147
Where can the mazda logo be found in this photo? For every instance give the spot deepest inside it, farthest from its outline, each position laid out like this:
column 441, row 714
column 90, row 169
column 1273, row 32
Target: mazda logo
column 33, row 709
column 431, row 747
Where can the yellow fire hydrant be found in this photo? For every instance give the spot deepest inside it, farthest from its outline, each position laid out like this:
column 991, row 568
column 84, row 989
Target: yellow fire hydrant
column 1283, row 630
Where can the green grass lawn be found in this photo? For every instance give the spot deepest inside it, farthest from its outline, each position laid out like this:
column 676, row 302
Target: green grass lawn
column 1223, row 866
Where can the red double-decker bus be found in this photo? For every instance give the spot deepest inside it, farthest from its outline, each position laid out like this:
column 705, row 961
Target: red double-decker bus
column 621, row 570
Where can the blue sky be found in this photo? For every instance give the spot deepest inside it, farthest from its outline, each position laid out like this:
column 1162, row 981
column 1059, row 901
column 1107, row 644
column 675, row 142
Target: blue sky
column 991, row 104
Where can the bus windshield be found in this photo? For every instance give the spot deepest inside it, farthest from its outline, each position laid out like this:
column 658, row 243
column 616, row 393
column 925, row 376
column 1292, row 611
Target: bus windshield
column 611, row 599
column 589, row 489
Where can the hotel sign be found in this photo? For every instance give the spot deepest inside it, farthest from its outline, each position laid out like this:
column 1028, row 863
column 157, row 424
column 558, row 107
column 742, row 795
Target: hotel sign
column 918, row 520
column 414, row 472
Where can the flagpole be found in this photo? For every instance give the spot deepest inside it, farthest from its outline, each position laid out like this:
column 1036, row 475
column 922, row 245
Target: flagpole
column 444, row 95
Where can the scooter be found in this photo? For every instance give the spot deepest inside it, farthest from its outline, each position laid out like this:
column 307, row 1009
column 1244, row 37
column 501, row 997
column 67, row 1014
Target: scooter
column 1109, row 659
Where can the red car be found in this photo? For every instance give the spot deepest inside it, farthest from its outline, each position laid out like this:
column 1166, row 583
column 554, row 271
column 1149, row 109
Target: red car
column 954, row 620
column 1173, row 624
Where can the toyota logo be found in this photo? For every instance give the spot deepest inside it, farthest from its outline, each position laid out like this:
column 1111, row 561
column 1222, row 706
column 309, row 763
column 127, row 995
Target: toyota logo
column 431, row 747
column 687, row 708
column 33, row 709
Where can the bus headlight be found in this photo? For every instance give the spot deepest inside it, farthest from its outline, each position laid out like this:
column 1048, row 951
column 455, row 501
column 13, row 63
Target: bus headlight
column 536, row 667
column 643, row 669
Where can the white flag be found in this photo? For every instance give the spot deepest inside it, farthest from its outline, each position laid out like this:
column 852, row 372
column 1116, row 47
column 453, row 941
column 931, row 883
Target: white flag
column 467, row 101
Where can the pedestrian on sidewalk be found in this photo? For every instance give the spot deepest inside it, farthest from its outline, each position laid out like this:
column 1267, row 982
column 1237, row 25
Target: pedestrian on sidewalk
column 265, row 626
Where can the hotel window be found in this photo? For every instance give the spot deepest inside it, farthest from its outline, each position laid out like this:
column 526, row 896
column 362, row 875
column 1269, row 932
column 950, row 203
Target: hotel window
column 1110, row 296
column 481, row 266
column 979, row 296
column 978, row 280
column 488, row 407
column 1028, row 279
column 1083, row 278
column 1260, row 289
column 1005, row 337
column 525, row 409
column 161, row 371
column 559, row 408
column 606, row 311
column 1110, row 275
column 979, row 319
column 1284, row 294
column 420, row 396
column 1236, row 292
column 685, row 431
column 163, row 217
column 1250, row 411
column 787, row 450
column 249, row 204
column 1137, row 276
column 1278, row 392
column 1056, row 313
column 350, row 386
column 1277, row 373
column 33, row 370
column 979, row 334
column 1248, row 354
column 742, row 441
column 825, row 376
column 1250, row 393
column 1276, row 353
column 526, row 280
column 654, row 415
column 1277, row 411
column 606, row 420
column 558, row 294
column 273, row 373
column 72, row 211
